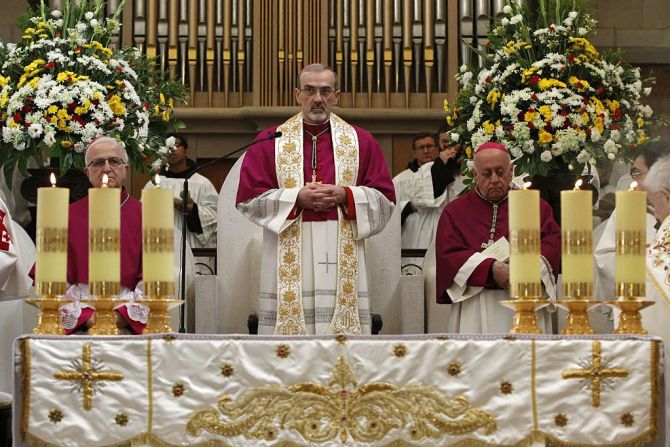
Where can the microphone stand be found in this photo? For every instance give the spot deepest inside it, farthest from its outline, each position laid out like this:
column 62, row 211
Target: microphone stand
column 184, row 218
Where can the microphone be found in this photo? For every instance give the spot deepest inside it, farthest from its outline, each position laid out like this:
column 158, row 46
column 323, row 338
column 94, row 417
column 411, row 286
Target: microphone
column 184, row 218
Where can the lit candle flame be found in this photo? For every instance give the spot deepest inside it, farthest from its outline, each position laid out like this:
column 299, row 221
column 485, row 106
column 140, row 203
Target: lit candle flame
column 633, row 185
column 526, row 185
column 105, row 179
column 52, row 177
column 157, row 181
column 578, row 184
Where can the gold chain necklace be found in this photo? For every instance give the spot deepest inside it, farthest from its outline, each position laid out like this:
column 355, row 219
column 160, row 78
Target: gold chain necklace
column 314, row 139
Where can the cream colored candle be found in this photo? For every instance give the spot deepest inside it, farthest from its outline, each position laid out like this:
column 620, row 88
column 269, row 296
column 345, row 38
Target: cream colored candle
column 51, row 256
column 104, row 256
column 524, row 231
column 577, row 243
column 157, row 241
column 631, row 209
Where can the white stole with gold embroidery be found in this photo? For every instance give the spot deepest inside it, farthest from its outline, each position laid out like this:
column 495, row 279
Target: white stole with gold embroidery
column 289, row 163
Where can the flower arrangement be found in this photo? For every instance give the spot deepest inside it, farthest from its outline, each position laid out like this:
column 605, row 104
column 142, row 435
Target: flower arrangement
column 62, row 86
column 549, row 95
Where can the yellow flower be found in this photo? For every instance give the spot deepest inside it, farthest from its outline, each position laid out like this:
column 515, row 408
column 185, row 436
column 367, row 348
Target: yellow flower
column 4, row 99
column 585, row 117
column 157, row 111
column 166, row 116
column 640, row 122
column 52, row 109
column 545, row 84
column 445, row 106
column 493, row 97
column 450, row 121
column 545, row 137
column 529, row 116
column 613, row 104
column 546, row 112
column 468, row 152
column 527, row 73
column 599, row 125
column 162, row 98
column 580, row 84
column 171, row 103
column 488, row 127
column 642, row 137
column 3, row 81
column 116, row 105
column 63, row 115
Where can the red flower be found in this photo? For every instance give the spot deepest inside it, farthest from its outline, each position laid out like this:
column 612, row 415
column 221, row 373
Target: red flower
column 530, row 125
column 552, row 27
column 571, row 57
column 26, row 108
column 534, row 79
column 601, row 90
column 533, row 97
column 617, row 114
column 614, row 127
column 17, row 117
column 50, row 65
column 488, row 80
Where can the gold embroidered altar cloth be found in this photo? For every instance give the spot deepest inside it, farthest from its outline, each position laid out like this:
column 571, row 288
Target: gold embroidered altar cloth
column 431, row 390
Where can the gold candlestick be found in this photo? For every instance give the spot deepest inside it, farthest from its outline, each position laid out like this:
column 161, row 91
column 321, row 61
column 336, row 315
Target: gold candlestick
column 48, row 320
column 577, row 252
column 160, row 321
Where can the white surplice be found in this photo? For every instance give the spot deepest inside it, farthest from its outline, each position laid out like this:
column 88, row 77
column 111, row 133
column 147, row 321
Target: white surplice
column 656, row 319
column 270, row 210
column 14, row 279
column 204, row 194
column 419, row 228
column 604, row 256
column 477, row 310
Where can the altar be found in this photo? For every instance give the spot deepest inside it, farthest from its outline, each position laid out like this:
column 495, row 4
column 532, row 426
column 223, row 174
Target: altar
column 423, row 390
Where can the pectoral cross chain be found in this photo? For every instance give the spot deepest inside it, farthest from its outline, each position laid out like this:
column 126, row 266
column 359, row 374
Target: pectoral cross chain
column 314, row 160
column 492, row 231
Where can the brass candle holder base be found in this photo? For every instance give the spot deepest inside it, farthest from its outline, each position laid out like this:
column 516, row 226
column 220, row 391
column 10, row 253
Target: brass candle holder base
column 104, row 321
column 48, row 320
column 525, row 319
column 160, row 321
column 578, row 316
column 630, row 320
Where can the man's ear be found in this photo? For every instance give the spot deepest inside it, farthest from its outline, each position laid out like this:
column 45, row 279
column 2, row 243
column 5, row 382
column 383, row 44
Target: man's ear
column 511, row 168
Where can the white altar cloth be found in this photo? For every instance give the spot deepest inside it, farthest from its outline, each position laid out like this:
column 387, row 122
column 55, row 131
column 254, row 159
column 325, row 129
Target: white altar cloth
column 423, row 390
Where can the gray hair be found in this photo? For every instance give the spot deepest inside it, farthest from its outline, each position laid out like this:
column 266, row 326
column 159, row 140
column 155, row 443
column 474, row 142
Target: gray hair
column 101, row 140
column 316, row 68
column 658, row 177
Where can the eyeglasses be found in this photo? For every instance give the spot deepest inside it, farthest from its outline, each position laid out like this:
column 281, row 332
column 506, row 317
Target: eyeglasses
column 426, row 147
column 310, row 91
column 635, row 173
column 114, row 162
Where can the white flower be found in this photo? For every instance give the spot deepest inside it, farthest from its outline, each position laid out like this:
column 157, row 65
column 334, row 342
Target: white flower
column 595, row 134
column 464, row 68
column 163, row 150
column 516, row 19
column 49, row 138
column 470, row 164
column 615, row 135
column 567, row 22
column 582, row 31
column 583, row 156
column 89, row 15
column 505, row 20
column 515, row 151
column 157, row 165
column 572, row 15
column 507, row 9
column 93, row 23
column 610, row 147
column 35, row 130
column 81, row 27
column 170, row 141
column 546, row 156
column 56, row 13
column 647, row 91
column 611, row 156
column 454, row 137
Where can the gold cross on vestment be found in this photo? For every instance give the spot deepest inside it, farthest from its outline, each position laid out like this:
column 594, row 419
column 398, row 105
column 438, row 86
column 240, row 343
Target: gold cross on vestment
column 595, row 374
column 88, row 375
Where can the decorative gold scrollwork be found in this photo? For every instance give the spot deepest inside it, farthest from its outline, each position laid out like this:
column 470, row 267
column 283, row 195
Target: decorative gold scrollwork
column 321, row 413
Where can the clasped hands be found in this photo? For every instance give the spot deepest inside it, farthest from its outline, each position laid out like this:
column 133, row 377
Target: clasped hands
column 320, row 197
column 500, row 272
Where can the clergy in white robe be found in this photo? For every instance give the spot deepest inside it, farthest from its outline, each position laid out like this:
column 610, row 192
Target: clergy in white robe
column 319, row 190
column 202, row 202
column 656, row 319
column 474, row 280
column 604, row 253
column 14, row 279
column 422, row 191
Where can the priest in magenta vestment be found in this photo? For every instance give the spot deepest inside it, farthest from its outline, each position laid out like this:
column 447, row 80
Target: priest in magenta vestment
column 319, row 190
column 468, row 278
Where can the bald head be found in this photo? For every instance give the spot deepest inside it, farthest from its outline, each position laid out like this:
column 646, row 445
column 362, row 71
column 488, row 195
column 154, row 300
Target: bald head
column 105, row 155
column 492, row 172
